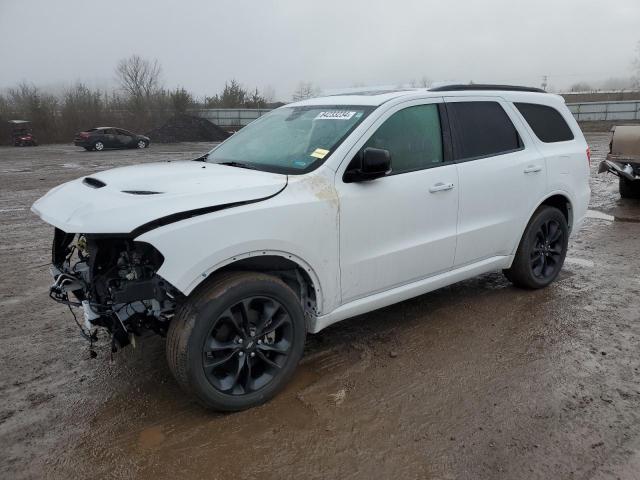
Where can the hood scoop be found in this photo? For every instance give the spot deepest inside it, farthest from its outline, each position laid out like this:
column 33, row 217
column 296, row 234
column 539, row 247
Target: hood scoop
column 93, row 182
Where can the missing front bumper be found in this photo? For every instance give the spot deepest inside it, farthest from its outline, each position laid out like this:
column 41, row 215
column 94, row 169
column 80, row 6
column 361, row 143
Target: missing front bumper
column 621, row 169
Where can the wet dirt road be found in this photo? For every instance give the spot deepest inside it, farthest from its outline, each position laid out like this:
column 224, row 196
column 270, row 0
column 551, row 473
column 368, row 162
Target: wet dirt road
column 478, row 380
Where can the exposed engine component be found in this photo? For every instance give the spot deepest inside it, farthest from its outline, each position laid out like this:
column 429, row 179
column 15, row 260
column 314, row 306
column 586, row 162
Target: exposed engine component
column 114, row 280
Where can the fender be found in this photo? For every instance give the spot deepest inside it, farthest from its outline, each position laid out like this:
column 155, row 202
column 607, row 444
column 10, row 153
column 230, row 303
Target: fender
column 276, row 253
column 549, row 195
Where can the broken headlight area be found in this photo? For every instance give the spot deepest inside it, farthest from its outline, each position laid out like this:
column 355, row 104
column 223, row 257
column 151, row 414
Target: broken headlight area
column 113, row 279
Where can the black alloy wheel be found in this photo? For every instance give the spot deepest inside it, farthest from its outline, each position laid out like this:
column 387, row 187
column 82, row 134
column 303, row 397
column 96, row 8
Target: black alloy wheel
column 547, row 251
column 542, row 249
column 237, row 340
column 247, row 345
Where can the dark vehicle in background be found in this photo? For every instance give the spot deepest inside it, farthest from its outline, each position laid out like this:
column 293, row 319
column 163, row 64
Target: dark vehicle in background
column 110, row 137
column 21, row 133
column 623, row 159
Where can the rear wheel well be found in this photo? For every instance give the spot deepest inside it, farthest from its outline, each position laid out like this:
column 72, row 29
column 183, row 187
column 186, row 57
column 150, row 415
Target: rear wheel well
column 290, row 272
column 563, row 204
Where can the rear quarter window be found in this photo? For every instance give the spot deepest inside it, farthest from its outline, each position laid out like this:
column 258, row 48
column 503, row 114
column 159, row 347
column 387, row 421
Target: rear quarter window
column 546, row 122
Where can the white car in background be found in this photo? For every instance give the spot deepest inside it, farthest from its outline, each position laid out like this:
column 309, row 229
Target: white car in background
column 316, row 212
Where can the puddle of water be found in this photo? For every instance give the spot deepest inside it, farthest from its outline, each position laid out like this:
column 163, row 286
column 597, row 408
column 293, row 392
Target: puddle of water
column 620, row 215
column 582, row 262
column 599, row 215
column 16, row 170
column 627, row 219
column 150, row 437
column 6, row 210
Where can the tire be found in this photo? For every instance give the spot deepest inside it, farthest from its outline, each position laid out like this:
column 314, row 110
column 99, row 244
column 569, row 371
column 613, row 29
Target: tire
column 629, row 189
column 212, row 316
column 541, row 251
column 98, row 146
column 141, row 144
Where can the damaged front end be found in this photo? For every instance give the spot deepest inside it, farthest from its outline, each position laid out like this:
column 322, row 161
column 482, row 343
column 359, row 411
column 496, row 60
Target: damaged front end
column 621, row 167
column 113, row 279
column 623, row 159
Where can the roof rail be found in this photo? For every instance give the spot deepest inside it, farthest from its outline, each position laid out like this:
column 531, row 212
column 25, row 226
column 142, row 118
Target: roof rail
column 482, row 86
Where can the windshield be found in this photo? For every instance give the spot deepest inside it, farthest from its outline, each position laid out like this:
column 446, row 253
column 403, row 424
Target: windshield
column 290, row 140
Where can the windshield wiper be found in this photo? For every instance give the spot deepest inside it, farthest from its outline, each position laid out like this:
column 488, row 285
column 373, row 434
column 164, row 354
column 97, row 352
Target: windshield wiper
column 239, row 165
column 202, row 158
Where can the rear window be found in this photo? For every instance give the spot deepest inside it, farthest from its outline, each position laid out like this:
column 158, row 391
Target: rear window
column 546, row 122
column 482, row 129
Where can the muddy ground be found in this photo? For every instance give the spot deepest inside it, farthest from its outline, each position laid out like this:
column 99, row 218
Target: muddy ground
column 479, row 380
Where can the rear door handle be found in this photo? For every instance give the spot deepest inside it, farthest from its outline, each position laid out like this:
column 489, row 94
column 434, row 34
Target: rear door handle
column 441, row 187
column 532, row 169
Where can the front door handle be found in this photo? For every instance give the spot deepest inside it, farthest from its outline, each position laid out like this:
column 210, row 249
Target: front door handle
column 533, row 169
column 441, row 187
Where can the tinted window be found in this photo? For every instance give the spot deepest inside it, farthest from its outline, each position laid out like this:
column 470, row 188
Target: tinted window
column 546, row 122
column 482, row 129
column 124, row 132
column 412, row 136
column 108, row 131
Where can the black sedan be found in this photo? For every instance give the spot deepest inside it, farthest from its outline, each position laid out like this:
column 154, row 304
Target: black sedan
column 109, row 137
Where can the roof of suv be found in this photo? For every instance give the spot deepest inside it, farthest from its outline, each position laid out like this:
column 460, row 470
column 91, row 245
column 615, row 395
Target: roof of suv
column 378, row 97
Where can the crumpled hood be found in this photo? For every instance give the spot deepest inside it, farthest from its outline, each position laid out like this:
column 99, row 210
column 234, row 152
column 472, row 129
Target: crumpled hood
column 100, row 203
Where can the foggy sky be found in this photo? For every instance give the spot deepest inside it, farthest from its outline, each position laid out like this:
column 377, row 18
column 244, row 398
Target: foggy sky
column 332, row 43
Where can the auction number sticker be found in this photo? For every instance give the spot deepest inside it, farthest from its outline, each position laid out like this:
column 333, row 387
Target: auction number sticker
column 319, row 153
column 335, row 115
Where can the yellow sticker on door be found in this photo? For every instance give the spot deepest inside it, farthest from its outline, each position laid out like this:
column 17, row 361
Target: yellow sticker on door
column 319, row 153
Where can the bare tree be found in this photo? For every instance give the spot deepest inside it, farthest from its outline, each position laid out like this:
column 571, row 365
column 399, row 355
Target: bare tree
column 181, row 100
column 617, row 83
column 305, row 90
column 37, row 106
column 255, row 100
column 269, row 94
column 139, row 77
column 581, row 87
column 424, row 82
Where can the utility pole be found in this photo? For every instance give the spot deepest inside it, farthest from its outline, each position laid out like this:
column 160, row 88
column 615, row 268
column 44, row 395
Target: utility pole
column 544, row 82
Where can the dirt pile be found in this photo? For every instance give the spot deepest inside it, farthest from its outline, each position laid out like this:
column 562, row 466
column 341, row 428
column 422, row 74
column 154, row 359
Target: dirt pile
column 186, row 128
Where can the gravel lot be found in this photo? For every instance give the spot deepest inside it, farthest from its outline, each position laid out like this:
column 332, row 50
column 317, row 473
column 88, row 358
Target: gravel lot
column 478, row 380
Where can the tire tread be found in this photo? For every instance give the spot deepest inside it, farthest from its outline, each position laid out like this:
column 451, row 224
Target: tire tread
column 519, row 273
column 182, row 325
column 629, row 189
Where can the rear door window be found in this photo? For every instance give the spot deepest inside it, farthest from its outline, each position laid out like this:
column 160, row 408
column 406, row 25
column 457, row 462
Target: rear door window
column 546, row 122
column 482, row 129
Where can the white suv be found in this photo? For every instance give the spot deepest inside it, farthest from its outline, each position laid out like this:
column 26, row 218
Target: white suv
column 318, row 211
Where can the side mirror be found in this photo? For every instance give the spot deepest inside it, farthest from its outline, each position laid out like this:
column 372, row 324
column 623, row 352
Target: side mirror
column 370, row 164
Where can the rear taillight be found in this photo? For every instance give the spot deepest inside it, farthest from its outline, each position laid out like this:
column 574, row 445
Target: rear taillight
column 84, row 135
column 589, row 155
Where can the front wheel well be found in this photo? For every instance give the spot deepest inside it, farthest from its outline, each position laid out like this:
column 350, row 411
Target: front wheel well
column 290, row 272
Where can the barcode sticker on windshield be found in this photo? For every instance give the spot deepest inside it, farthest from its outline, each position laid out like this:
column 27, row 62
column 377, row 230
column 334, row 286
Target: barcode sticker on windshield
column 335, row 115
column 319, row 153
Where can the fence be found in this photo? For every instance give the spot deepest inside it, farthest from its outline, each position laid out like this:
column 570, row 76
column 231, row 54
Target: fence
column 231, row 118
column 236, row 118
column 605, row 111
